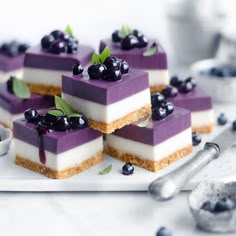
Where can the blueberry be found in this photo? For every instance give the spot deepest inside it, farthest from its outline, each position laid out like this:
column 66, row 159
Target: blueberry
column 46, row 41
column 112, row 63
column 77, row 69
column 208, row 206
column 175, row 81
column 137, row 33
column 115, row 36
column 225, row 204
column 129, row 42
column 62, row 124
column 57, row 34
column 157, row 99
column 113, row 75
column 124, row 67
column 128, row 169
column 97, row 71
column 22, row 47
column 192, row 81
column 170, row 92
column 64, row 37
column 168, row 106
column 163, row 231
column 222, row 119
column 142, row 41
column 186, row 87
column 196, row 139
column 4, row 48
column 71, row 47
column 78, row 122
column 12, row 50
column 10, row 84
column 31, row 115
column 158, row 113
column 57, row 47
column 234, row 125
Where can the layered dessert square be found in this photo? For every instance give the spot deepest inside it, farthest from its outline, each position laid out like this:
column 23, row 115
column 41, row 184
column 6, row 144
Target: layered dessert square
column 109, row 105
column 13, row 107
column 196, row 100
column 11, row 59
column 44, row 64
column 56, row 146
column 132, row 47
column 156, row 145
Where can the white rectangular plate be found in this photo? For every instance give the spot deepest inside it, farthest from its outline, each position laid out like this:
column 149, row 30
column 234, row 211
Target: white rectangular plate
column 15, row 178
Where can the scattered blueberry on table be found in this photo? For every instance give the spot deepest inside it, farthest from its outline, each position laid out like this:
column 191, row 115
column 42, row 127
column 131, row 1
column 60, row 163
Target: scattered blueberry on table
column 222, row 205
column 196, row 139
column 234, row 125
column 128, row 169
column 222, row 119
column 163, row 231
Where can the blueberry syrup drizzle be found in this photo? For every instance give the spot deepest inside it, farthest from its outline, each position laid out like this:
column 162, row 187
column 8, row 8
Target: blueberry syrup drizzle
column 42, row 156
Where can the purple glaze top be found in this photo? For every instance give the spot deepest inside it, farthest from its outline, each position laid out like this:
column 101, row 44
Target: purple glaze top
column 135, row 56
column 196, row 100
column 15, row 105
column 157, row 131
column 55, row 142
column 37, row 58
column 105, row 92
column 11, row 63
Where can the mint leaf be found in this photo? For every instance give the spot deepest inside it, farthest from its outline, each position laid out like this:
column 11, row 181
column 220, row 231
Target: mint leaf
column 21, row 89
column 63, row 105
column 125, row 30
column 55, row 112
column 104, row 54
column 151, row 51
column 69, row 31
column 95, row 58
column 75, row 115
column 105, row 171
column 145, row 123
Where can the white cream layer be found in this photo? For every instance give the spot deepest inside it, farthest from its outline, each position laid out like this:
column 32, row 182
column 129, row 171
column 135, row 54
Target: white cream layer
column 42, row 76
column 158, row 77
column 7, row 118
column 149, row 152
column 62, row 161
column 112, row 112
column 202, row 118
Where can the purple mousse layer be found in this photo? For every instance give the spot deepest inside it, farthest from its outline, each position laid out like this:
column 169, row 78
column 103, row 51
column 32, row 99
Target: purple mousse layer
column 55, row 142
column 157, row 131
column 11, row 63
column 105, row 92
column 135, row 56
column 15, row 105
column 196, row 100
column 36, row 58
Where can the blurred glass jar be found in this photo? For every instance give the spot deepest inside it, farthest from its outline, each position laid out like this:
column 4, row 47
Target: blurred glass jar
column 194, row 27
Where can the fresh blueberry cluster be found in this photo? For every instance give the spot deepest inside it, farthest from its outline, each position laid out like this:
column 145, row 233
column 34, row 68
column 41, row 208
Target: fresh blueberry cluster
column 163, row 231
column 111, row 70
column 128, row 169
column 59, row 42
column 221, row 71
column 196, row 139
column 55, row 120
column 222, row 205
column 183, row 86
column 160, row 107
column 13, row 49
column 134, row 39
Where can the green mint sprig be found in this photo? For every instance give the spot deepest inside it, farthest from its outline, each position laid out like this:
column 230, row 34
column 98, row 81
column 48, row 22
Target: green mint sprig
column 151, row 50
column 20, row 88
column 124, row 31
column 64, row 106
column 105, row 171
column 69, row 31
column 100, row 58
